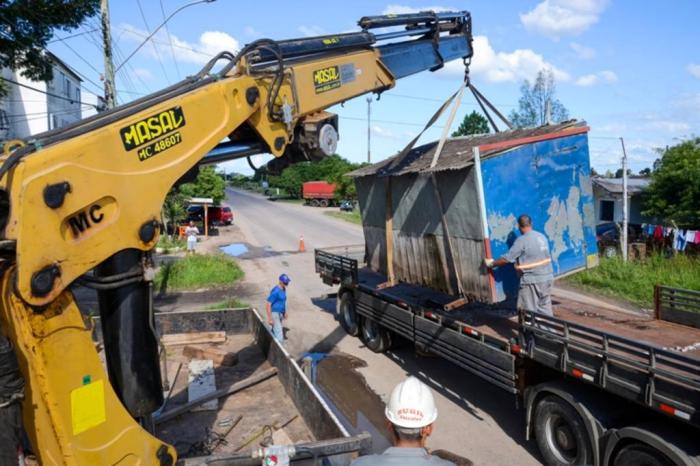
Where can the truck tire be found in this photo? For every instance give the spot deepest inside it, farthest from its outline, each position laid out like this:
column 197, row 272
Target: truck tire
column 641, row 454
column 347, row 316
column 561, row 434
column 374, row 336
column 314, row 203
column 323, row 203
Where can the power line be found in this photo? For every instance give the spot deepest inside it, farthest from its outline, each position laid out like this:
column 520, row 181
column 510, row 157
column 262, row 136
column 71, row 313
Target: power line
column 139, row 34
column 47, row 93
column 155, row 49
column 428, row 99
column 61, row 39
column 389, row 122
column 170, row 40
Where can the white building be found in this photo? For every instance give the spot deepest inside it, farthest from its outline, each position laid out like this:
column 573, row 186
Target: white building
column 32, row 107
column 607, row 194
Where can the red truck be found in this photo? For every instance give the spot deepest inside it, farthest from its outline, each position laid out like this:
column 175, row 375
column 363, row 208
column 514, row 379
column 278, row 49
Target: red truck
column 319, row 193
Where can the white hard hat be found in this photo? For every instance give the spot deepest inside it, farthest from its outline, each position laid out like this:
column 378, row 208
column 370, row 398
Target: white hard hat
column 411, row 405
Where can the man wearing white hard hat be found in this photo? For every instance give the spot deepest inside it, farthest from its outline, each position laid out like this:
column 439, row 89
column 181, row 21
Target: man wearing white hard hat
column 411, row 413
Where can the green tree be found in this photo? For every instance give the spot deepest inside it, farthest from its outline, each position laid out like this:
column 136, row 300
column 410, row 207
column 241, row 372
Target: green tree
column 618, row 173
column 594, row 172
column 674, row 192
column 207, row 184
column 174, row 208
column 331, row 169
column 28, row 25
column 645, row 171
column 534, row 100
column 474, row 123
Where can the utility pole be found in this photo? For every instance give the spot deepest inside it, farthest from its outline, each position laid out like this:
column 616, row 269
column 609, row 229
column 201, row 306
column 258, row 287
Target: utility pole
column 369, row 131
column 110, row 89
column 625, row 209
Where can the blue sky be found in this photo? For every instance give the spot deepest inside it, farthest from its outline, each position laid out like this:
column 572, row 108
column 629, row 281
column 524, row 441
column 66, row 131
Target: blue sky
column 630, row 69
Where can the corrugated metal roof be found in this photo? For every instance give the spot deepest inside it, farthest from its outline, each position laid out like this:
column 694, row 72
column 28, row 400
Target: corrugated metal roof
column 457, row 152
column 614, row 185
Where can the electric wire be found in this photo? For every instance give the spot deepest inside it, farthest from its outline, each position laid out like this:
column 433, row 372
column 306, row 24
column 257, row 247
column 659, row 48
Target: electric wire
column 170, row 39
column 155, row 49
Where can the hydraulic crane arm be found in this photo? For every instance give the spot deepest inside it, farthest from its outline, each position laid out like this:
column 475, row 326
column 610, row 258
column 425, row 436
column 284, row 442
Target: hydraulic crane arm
column 88, row 197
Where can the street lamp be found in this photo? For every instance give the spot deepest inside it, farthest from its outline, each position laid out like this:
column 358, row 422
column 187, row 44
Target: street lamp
column 158, row 29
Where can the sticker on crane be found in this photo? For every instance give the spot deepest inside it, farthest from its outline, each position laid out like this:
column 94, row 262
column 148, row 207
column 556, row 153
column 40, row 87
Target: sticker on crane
column 154, row 134
column 332, row 77
column 87, row 406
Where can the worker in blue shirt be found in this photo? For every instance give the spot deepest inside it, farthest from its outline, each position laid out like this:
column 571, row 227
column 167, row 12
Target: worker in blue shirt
column 276, row 307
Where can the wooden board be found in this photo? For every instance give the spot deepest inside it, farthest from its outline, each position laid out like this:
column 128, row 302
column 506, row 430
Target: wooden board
column 192, row 338
column 220, row 358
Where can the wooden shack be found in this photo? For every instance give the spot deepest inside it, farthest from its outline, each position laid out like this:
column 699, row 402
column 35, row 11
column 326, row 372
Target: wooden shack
column 431, row 222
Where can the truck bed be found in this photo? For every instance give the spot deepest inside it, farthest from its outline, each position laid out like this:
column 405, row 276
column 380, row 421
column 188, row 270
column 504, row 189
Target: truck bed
column 501, row 321
column 650, row 361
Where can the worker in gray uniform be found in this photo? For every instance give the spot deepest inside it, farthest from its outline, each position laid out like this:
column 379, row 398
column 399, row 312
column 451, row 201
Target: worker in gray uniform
column 533, row 262
column 410, row 415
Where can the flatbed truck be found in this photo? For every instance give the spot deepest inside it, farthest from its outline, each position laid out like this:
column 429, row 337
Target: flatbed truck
column 598, row 385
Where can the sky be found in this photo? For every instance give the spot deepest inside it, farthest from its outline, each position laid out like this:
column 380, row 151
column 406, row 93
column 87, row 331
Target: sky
column 630, row 69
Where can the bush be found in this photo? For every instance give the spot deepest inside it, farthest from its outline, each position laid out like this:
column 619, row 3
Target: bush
column 198, row 271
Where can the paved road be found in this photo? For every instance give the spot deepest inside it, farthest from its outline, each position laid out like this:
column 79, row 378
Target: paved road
column 476, row 420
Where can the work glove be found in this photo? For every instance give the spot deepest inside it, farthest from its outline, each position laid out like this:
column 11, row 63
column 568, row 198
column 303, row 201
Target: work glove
column 488, row 262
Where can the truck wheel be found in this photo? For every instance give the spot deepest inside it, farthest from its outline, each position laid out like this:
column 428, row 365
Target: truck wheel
column 374, row 336
column 641, row 454
column 323, row 203
column 314, row 202
column 347, row 315
column 561, row 434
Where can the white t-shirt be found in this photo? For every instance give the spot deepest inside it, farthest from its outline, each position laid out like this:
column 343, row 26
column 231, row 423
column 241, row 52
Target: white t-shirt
column 191, row 233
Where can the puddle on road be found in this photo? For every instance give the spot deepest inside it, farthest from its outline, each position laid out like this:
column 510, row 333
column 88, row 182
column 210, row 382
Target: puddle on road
column 235, row 249
column 350, row 398
column 247, row 251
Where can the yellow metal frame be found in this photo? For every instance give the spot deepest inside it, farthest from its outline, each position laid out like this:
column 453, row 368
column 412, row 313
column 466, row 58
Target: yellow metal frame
column 58, row 359
column 113, row 192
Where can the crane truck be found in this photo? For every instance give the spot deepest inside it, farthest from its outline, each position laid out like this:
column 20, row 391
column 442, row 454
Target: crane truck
column 81, row 204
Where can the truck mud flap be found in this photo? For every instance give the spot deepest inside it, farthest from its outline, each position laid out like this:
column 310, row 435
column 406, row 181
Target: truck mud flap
column 491, row 364
column 389, row 315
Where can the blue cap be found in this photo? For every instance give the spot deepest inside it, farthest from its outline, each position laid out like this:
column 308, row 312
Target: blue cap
column 285, row 279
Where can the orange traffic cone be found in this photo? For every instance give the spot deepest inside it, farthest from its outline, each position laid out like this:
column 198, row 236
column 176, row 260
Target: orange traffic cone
column 302, row 248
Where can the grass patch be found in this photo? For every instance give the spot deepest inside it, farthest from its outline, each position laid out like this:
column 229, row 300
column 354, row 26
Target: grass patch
column 352, row 217
column 227, row 304
column 169, row 245
column 635, row 280
column 198, row 271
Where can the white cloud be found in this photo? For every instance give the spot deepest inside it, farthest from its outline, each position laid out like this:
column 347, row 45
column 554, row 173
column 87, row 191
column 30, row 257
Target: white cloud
column 382, row 132
column 556, row 18
column 496, row 66
column 310, row 31
column 209, row 44
column 143, row 73
column 694, row 70
column 394, row 9
column 587, row 80
column 251, row 32
column 583, row 52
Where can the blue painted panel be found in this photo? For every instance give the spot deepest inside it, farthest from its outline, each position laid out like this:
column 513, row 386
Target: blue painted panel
column 550, row 181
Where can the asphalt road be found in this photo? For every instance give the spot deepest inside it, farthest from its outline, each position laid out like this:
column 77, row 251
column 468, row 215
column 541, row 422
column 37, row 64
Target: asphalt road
column 476, row 420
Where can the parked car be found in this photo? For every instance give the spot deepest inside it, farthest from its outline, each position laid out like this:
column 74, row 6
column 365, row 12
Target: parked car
column 347, row 206
column 218, row 215
column 608, row 237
